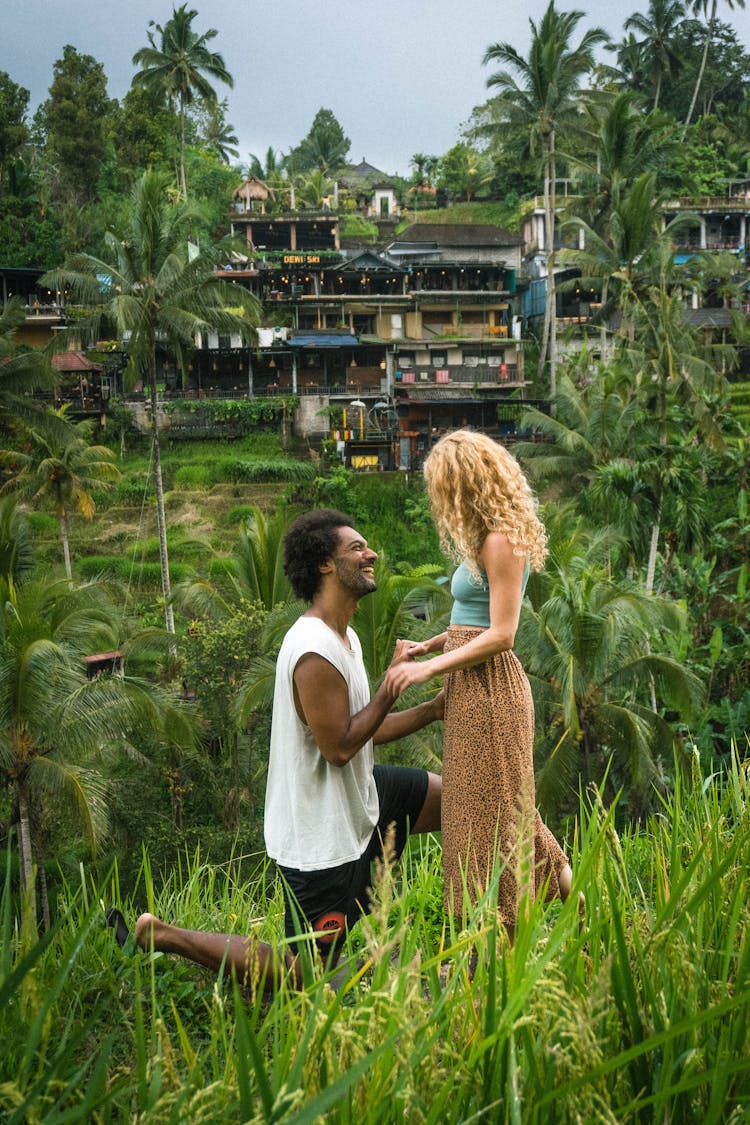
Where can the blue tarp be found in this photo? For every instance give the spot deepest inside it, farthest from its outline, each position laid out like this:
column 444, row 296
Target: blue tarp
column 321, row 340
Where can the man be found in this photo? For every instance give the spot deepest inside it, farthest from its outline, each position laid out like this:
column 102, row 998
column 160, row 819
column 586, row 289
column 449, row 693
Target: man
column 327, row 805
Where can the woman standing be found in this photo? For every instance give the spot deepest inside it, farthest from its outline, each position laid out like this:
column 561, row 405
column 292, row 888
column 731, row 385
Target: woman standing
column 486, row 517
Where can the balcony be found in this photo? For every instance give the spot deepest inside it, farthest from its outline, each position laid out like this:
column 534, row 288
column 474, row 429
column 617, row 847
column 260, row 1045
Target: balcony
column 461, row 376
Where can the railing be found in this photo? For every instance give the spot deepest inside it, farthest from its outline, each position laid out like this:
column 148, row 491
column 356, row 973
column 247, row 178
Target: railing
column 39, row 310
column 462, row 374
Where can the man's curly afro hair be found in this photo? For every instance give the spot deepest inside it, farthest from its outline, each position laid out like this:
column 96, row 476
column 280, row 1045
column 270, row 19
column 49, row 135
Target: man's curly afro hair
column 309, row 543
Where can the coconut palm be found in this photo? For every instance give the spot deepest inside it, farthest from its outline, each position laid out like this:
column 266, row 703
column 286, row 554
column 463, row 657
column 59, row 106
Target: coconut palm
column 631, row 251
column 312, row 188
column 272, row 165
column 708, row 8
column 153, row 294
column 596, row 420
column 591, row 648
column 621, row 144
column 181, row 66
column 54, row 722
column 218, row 135
column 65, row 472
column 657, row 26
column 254, row 572
column 541, row 95
column 629, row 72
column 16, row 550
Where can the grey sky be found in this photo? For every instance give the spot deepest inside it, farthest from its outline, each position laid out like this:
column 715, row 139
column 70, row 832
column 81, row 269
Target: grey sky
column 401, row 76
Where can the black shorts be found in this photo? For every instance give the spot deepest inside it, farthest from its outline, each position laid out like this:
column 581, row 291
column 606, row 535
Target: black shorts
column 332, row 900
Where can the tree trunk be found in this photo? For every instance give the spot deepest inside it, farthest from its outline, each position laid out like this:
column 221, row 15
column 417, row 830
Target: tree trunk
column 545, row 329
column 552, row 294
column 699, row 79
column 25, row 853
column 66, row 546
column 549, row 335
column 652, row 552
column 183, row 181
column 161, row 518
column 41, row 875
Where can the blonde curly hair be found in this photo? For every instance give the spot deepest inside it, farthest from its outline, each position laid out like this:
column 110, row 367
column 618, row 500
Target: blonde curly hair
column 475, row 486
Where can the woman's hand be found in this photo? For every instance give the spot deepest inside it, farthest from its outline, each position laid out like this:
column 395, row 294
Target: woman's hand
column 401, row 676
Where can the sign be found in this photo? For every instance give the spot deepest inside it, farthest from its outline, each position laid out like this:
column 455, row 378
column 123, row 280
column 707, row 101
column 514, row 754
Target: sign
column 301, row 259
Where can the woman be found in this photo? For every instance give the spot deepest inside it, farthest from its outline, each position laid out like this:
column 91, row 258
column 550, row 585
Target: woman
column 486, row 517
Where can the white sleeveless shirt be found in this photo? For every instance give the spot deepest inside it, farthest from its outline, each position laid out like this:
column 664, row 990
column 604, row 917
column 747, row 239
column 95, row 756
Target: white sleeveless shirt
column 317, row 815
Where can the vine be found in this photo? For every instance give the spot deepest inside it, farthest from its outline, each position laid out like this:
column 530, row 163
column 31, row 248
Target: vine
column 242, row 413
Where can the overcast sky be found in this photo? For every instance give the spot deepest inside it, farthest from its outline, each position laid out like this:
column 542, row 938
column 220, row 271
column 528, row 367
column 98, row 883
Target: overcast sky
column 401, row 76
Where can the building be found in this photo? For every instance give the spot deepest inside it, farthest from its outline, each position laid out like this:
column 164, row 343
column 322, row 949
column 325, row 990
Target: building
column 426, row 325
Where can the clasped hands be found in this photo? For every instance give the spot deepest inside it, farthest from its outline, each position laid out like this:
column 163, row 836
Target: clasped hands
column 404, row 670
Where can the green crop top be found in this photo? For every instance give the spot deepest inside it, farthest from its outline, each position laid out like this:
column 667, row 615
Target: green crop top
column 471, row 597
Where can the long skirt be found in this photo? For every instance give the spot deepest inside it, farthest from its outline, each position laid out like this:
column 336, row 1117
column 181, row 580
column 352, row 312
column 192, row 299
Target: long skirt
column 489, row 818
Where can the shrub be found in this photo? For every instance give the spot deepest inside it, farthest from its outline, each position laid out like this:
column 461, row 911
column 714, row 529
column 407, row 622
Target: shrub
column 131, row 490
column 43, row 523
column 194, row 476
column 239, row 514
column 124, row 568
column 256, row 472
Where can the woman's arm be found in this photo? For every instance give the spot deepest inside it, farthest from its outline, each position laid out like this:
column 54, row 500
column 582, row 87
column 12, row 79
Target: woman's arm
column 424, row 648
column 504, row 571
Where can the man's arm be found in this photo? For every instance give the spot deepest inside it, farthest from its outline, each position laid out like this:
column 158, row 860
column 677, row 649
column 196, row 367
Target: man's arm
column 397, row 724
column 321, row 697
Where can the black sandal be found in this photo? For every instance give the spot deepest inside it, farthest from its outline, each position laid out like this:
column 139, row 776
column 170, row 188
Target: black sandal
column 115, row 920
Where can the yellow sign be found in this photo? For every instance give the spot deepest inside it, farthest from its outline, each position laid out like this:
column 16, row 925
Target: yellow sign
column 301, row 259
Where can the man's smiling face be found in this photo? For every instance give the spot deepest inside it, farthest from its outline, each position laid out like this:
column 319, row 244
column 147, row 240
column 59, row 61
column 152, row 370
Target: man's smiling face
column 354, row 563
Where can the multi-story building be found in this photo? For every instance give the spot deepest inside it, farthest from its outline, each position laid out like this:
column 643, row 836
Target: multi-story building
column 425, row 329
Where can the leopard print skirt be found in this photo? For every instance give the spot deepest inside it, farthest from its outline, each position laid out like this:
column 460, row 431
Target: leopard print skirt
column 489, row 818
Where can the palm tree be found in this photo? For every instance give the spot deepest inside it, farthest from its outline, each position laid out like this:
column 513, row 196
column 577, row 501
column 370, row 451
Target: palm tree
column 312, row 188
column 178, row 66
column 658, row 26
column 254, row 573
column 631, row 250
column 150, row 290
column 708, row 8
column 272, row 165
column 16, row 552
column 543, row 99
column 629, row 72
column 66, row 472
column 53, row 720
column 621, row 144
column 217, row 135
column 596, row 420
column 424, row 165
column 585, row 641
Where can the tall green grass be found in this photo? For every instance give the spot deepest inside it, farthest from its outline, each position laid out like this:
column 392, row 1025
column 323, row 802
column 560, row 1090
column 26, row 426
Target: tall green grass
column 638, row 1012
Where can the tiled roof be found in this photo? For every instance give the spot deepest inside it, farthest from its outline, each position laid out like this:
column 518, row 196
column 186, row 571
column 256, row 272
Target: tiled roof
column 73, row 361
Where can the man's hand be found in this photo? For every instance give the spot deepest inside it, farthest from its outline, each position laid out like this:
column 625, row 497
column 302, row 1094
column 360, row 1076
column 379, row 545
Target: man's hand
column 406, row 672
column 401, row 652
column 438, row 706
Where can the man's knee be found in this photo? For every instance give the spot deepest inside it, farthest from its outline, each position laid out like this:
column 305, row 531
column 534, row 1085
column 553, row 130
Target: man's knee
column 429, row 816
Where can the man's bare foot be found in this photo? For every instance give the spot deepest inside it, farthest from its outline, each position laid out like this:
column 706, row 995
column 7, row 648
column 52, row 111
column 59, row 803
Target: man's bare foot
column 148, row 932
